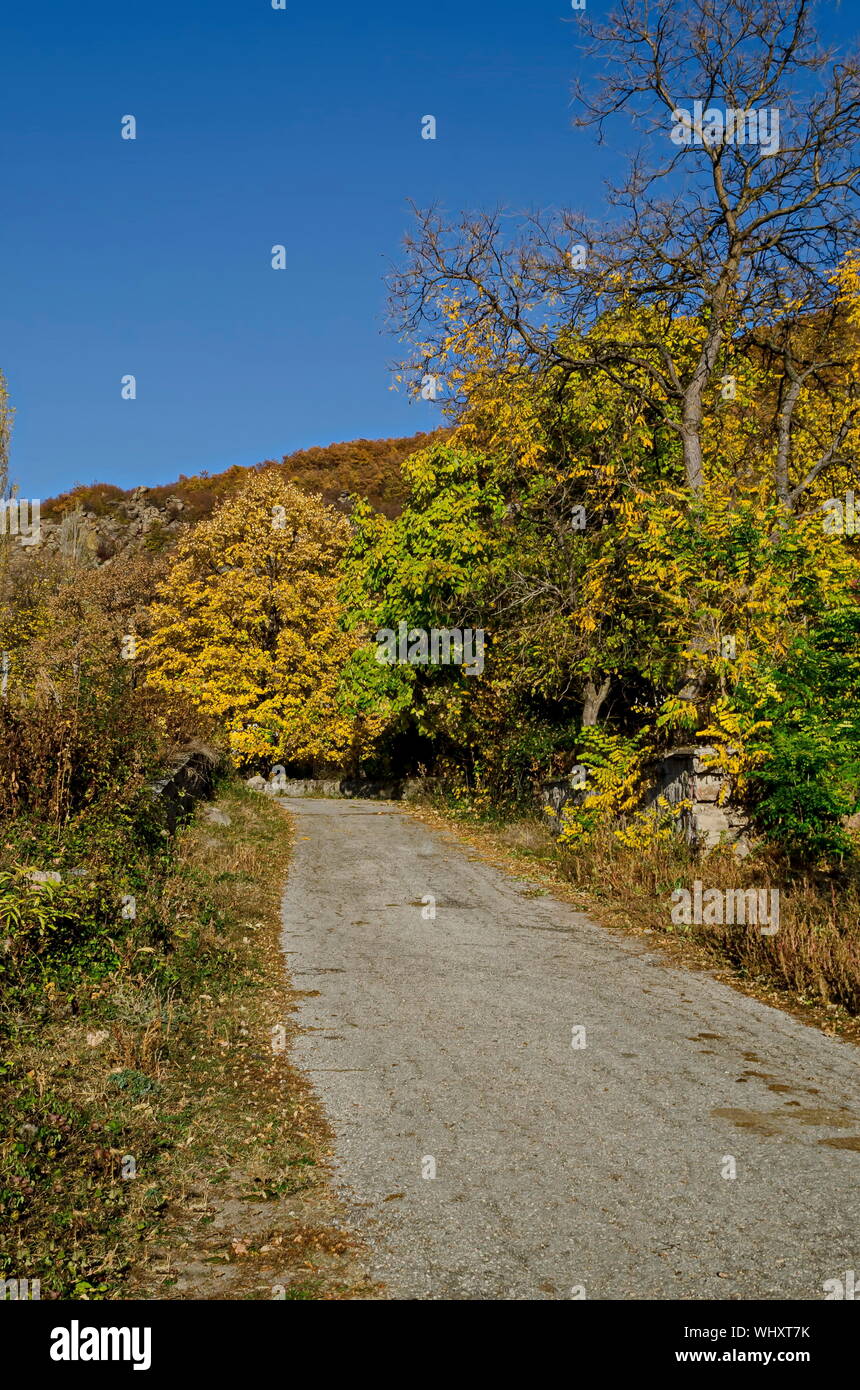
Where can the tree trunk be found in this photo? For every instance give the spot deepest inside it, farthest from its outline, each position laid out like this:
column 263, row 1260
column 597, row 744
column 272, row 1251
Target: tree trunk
column 593, row 697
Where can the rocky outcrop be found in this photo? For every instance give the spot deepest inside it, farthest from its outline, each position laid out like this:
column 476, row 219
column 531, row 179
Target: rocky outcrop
column 707, row 817
column 190, row 779
column 98, row 537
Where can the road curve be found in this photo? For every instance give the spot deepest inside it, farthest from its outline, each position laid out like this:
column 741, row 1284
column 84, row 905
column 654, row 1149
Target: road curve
column 561, row 1171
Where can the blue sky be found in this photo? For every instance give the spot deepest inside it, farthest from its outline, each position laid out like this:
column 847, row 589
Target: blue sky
column 254, row 127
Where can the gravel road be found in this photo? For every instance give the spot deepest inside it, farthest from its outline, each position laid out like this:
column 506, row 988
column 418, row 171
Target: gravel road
column 446, row 1045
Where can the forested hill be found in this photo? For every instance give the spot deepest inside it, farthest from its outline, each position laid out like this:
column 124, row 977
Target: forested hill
column 105, row 519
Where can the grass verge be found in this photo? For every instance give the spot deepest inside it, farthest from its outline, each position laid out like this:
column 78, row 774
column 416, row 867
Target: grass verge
column 156, row 1141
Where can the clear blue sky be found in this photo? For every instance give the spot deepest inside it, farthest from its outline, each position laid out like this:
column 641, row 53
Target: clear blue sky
column 254, row 127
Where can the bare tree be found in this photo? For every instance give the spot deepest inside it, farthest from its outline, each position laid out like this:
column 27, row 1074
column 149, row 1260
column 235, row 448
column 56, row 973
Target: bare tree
column 739, row 202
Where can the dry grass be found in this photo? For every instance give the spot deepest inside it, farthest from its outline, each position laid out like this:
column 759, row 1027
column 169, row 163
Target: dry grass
column 815, row 953
column 250, row 1211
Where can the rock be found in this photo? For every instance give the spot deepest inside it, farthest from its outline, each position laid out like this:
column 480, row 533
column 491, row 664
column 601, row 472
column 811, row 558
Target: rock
column 215, row 816
column 186, row 783
column 706, row 786
column 556, row 796
column 414, row 788
column 257, row 784
column 687, row 781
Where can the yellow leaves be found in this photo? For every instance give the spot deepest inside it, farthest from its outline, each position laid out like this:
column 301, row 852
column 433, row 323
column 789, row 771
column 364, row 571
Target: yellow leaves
column 614, row 781
column 572, row 830
column 676, row 713
column 731, row 732
column 847, row 278
column 248, row 623
column 652, row 826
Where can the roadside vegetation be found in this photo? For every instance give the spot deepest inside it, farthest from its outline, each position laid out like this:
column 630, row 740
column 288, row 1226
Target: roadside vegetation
column 156, row 1141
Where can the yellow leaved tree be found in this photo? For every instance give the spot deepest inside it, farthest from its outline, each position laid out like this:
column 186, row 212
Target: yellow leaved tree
column 247, row 625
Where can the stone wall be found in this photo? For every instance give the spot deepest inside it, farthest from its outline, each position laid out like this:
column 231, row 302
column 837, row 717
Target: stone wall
column 396, row 789
column 681, row 776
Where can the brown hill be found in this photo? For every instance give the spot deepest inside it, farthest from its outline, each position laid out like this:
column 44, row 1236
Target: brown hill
column 104, row 520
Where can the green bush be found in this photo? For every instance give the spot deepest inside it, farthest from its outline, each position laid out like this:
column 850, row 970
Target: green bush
column 809, row 780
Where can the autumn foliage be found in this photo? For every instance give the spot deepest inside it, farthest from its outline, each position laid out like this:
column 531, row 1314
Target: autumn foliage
column 247, row 625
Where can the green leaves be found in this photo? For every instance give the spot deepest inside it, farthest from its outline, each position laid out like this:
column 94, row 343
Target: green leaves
column 810, row 777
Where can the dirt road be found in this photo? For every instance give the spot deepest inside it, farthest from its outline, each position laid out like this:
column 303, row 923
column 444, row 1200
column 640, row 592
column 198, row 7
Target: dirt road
column 453, row 1044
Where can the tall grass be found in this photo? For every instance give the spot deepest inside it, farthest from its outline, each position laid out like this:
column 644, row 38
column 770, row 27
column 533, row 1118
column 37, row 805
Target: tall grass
column 815, row 953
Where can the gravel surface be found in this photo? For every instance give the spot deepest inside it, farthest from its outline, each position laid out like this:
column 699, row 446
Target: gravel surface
column 445, row 1044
